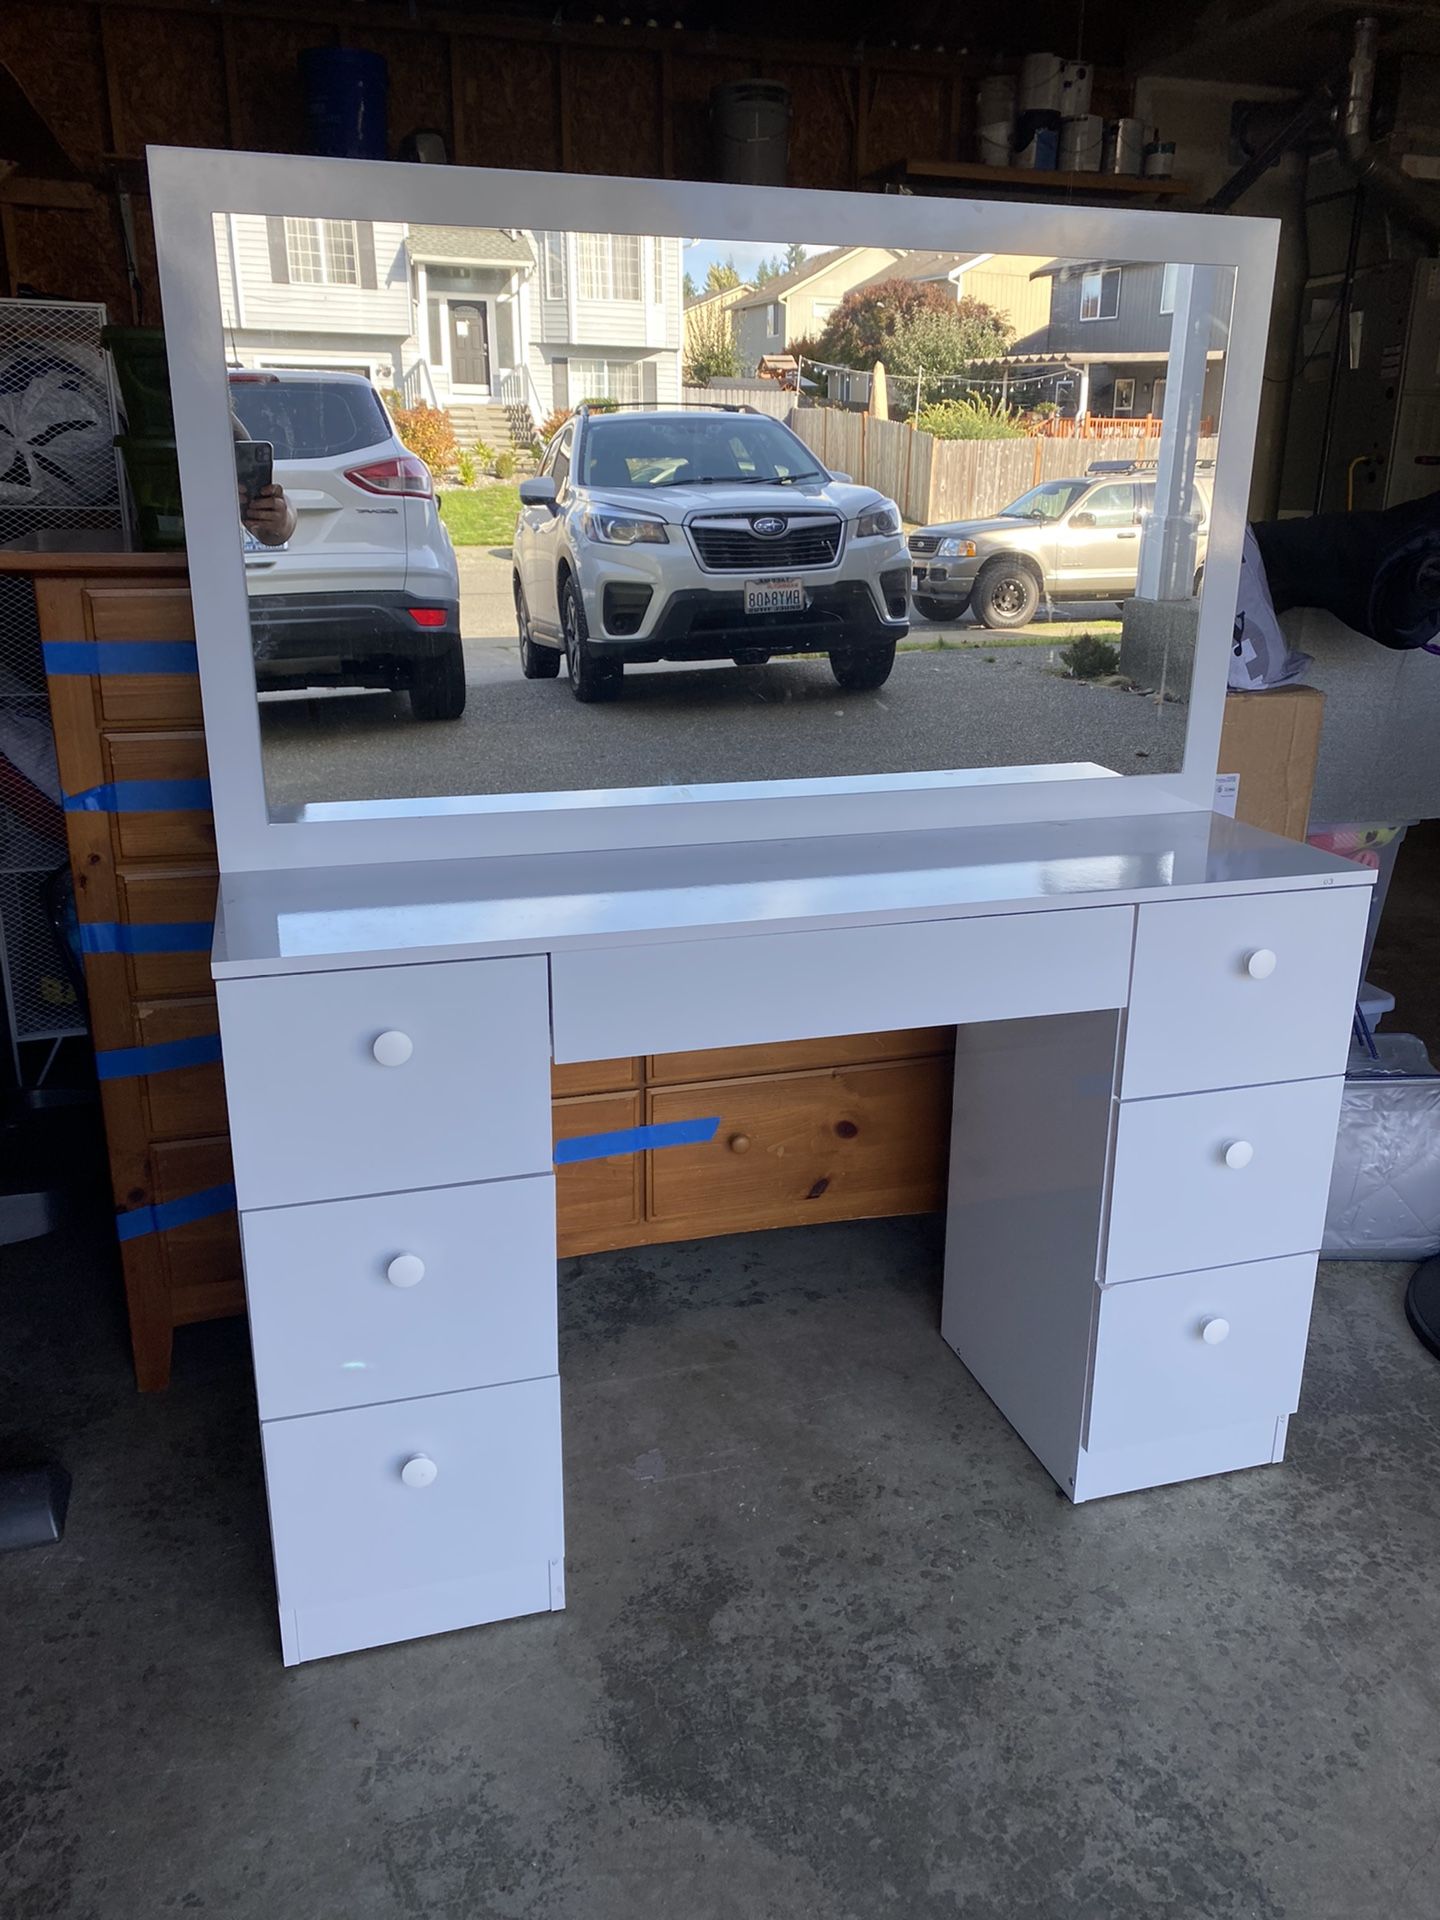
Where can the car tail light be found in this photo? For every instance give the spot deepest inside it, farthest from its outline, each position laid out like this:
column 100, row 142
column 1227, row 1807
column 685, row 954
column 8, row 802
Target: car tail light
column 403, row 475
column 254, row 379
column 428, row 616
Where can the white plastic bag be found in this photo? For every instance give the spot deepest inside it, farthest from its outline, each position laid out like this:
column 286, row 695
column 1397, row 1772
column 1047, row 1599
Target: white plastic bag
column 1261, row 656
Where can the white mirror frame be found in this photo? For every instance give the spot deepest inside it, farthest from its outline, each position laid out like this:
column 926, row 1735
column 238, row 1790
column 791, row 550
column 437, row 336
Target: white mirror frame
column 190, row 186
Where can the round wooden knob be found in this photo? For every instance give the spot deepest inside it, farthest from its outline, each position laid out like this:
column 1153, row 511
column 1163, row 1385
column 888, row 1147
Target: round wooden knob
column 1238, row 1154
column 419, row 1471
column 405, row 1270
column 392, row 1049
column 739, row 1143
column 1214, row 1330
column 1260, row 964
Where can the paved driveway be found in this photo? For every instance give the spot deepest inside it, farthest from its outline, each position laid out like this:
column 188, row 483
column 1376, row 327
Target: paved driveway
column 988, row 705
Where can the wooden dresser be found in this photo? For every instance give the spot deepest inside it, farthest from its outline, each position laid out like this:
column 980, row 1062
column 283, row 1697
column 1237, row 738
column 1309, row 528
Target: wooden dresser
column 814, row 1130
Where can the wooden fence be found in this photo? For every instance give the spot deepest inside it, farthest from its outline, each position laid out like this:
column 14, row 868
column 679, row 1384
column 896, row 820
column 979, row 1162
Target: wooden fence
column 765, row 396
column 932, row 479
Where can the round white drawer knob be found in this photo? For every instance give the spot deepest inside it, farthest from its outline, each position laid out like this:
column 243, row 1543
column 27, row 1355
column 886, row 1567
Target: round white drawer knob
column 405, row 1270
column 1239, row 1153
column 1260, row 964
column 420, row 1470
column 1214, row 1330
column 393, row 1049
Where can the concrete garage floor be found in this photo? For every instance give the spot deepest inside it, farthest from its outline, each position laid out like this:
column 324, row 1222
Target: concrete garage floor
column 834, row 1648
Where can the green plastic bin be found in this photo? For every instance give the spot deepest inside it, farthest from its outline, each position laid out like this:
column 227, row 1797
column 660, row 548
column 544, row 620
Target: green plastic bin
column 144, row 375
column 154, row 474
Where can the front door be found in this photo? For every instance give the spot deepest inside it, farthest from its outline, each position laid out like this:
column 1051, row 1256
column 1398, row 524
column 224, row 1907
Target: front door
column 469, row 344
column 1101, row 555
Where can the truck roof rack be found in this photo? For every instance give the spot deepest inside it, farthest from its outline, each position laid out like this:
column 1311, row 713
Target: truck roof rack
column 1137, row 466
column 661, row 406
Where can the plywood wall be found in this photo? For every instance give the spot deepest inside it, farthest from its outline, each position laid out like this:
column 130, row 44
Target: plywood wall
column 114, row 78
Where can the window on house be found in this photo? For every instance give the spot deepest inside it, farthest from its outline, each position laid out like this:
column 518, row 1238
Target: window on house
column 657, row 273
column 605, row 380
column 1167, row 287
column 554, row 269
column 772, row 320
column 822, row 309
column 608, row 265
column 322, row 253
column 1100, row 294
column 1124, row 396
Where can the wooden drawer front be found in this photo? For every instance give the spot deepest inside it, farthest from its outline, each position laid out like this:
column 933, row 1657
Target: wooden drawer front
column 315, row 1116
column 1157, row 1373
column 362, row 1558
column 864, row 1141
column 677, row 996
column 594, row 1076
column 184, row 897
column 180, row 834
column 1176, row 1204
column 598, row 1202
column 202, row 1258
column 152, row 613
column 330, row 1328
column 182, row 1101
column 839, row 1050
column 1199, row 1018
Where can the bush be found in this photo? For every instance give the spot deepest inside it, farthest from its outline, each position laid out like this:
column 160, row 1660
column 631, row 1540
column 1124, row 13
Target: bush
column 552, row 425
column 1089, row 658
column 427, row 432
column 506, row 465
column 968, row 420
column 466, row 468
column 484, row 454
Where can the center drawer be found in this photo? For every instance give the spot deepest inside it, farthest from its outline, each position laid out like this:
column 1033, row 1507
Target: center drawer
column 1207, row 1179
column 358, row 1301
column 385, row 1078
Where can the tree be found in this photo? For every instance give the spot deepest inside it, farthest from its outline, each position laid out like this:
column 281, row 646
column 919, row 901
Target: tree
column 711, row 353
column 723, row 275
column 913, row 326
column 692, row 292
column 794, row 256
column 768, row 270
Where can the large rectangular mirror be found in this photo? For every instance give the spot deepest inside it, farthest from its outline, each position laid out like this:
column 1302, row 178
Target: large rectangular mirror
column 533, row 511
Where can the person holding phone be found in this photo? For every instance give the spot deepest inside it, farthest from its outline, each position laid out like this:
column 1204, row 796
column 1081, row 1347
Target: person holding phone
column 266, row 515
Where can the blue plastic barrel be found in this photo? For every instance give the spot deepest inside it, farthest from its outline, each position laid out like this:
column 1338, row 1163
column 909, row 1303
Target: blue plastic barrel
column 345, row 98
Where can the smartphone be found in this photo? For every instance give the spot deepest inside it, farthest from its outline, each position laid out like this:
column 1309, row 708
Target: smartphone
column 254, row 467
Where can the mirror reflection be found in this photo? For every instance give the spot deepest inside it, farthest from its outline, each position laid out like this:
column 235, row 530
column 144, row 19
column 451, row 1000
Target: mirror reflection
column 527, row 511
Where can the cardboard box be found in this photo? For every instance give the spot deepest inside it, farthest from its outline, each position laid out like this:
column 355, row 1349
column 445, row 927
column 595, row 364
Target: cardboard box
column 1271, row 740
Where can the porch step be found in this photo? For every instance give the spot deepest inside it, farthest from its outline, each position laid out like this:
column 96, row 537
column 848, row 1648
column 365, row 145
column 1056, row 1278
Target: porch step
column 476, row 421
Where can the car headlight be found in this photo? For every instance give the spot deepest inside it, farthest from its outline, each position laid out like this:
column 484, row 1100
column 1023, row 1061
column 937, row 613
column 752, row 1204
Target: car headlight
column 882, row 519
column 957, row 549
column 623, row 529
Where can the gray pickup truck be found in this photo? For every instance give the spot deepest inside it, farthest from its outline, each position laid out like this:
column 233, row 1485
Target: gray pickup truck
column 1063, row 540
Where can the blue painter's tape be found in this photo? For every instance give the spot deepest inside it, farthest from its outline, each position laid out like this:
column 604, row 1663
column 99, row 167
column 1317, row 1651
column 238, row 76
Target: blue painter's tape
column 127, row 1063
column 668, row 1133
column 175, row 1213
column 142, row 796
column 147, row 936
column 121, row 656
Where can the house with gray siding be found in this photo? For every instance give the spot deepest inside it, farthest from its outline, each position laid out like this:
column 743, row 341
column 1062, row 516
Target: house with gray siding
column 1109, row 323
column 465, row 318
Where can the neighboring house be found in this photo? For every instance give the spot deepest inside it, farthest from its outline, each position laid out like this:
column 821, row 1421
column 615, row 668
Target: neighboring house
column 796, row 305
column 466, row 318
column 1004, row 281
column 1110, row 323
column 700, row 311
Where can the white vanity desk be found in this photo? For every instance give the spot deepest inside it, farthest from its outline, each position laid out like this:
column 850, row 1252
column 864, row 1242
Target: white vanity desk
column 1154, row 1018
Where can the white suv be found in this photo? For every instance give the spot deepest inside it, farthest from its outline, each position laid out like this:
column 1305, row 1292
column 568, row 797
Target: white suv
column 701, row 534
column 366, row 592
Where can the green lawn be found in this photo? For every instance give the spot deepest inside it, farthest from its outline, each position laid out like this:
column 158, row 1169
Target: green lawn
column 482, row 516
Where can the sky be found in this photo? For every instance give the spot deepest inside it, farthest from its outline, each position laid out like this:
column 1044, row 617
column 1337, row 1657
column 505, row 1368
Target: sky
column 701, row 255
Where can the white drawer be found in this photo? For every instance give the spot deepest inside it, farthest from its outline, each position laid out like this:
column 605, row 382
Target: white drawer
column 1198, row 1350
column 471, row 1301
column 362, row 1557
column 315, row 1115
column 755, row 988
column 1209, row 1009
column 1177, row 1204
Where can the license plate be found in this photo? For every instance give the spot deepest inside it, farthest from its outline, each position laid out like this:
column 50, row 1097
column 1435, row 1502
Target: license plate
column 774, row 596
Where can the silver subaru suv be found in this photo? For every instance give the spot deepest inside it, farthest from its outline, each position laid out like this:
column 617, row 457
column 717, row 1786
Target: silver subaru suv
column 1063, row 540
column 691, row 534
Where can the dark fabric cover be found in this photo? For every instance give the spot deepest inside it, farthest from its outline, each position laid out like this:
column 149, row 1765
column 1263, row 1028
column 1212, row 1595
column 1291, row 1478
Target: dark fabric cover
column 1378, row 572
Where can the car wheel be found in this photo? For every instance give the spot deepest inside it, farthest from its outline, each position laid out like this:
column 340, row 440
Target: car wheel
column 862, row 669
column 1007, row 594
column 929, row 609
column 437, row 691
column 590, row 677
column 536, row 662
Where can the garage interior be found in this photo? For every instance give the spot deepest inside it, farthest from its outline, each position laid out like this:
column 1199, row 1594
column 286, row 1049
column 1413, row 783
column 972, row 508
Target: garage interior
column 843, row 1652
